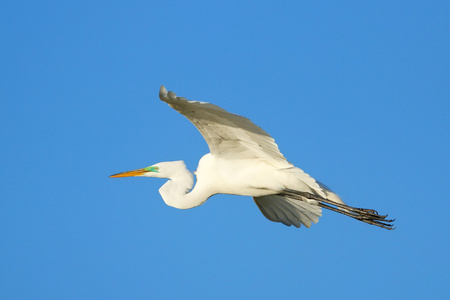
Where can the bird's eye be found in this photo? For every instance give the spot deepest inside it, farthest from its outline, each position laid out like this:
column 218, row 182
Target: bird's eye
column 156, row 168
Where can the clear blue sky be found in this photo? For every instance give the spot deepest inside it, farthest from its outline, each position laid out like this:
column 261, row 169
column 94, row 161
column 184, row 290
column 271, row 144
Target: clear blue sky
column 356, row 94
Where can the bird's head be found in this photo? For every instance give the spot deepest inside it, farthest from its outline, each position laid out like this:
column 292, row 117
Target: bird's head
column 160, row 170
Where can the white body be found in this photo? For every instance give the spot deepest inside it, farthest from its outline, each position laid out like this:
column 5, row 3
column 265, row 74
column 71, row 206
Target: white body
column 232, row 177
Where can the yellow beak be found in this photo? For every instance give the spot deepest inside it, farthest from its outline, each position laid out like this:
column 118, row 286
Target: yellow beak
column 129, row 173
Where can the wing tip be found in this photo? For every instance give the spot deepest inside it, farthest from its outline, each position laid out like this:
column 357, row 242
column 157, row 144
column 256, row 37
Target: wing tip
column 165, row 95
column 162, row 92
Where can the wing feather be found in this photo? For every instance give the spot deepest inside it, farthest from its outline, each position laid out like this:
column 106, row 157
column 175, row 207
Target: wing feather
column 292, row 215
column 288, row 211
column 281, row 213
column 227, row 134
column 267, row 211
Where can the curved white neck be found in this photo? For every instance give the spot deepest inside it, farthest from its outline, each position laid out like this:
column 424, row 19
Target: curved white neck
column 177, row 191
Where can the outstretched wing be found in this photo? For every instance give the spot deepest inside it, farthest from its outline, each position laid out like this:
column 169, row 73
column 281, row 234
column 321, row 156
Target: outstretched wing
column 296, row 209
column 278, row 208
column 227, row 134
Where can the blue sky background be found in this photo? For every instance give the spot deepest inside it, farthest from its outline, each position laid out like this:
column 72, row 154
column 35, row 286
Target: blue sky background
column 355, row 93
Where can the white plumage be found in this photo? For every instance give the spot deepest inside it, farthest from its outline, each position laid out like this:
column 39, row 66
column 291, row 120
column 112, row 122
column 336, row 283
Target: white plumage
column 245, row 160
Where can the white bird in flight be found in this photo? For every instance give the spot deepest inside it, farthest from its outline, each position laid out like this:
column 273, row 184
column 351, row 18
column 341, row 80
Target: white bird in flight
column 245, row 160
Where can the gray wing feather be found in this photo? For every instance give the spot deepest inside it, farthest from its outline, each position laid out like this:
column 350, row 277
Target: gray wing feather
column 227, row 134
column 288, row 211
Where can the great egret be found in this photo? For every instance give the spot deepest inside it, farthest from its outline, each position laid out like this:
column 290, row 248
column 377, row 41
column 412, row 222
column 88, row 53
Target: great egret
column 245, row 160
